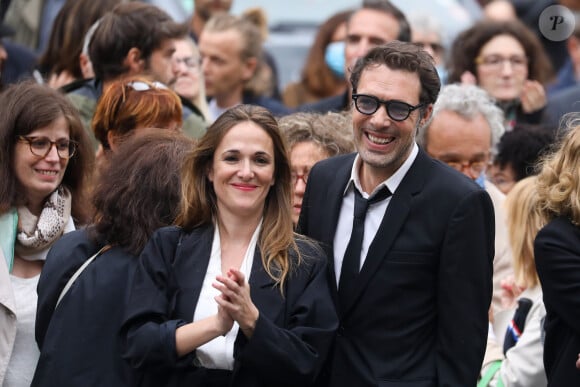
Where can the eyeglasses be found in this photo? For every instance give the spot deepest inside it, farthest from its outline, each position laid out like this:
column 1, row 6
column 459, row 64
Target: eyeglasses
column 294, row 177
column 436, row 47
column 396, row 110
column 496, row 62
column 476, row 167
column 190, row 62
column 41, row 146
column 143, row 86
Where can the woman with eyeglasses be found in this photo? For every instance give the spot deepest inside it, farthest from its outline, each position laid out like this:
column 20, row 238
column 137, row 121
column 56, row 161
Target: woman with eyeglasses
column 46, row 160
column 507, row 60
column 313, row 137
column 231, row 296
column 189, row 83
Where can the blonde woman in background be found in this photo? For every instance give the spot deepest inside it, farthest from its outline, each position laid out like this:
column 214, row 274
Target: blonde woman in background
column 514, row 352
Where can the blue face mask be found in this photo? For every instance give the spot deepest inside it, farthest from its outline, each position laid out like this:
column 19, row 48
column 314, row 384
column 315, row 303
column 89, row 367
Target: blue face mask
column 481, row 180
column 334, row 57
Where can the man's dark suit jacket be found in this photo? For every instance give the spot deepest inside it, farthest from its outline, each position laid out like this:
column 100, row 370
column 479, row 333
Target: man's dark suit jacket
column 336, row 103
column 418, row 316
column 561, row 103
column 557, row 253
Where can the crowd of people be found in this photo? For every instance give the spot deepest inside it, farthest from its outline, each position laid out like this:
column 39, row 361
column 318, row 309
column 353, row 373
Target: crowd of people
column 405, row 213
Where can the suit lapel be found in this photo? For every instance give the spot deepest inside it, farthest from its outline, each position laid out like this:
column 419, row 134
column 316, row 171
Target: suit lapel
column 391, row 224
column 266, row 298
column 192, row 258
column 329, row 222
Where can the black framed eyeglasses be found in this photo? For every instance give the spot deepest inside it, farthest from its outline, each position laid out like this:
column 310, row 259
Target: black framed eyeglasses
column 41, row 146
column 396, row 110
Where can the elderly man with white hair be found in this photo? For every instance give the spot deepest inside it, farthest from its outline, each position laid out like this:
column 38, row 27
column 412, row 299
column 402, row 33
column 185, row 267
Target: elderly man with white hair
column 465, row 128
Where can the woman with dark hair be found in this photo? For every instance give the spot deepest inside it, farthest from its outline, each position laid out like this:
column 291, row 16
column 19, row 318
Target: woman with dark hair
column 61, row 63
column 323, row 73
column 518, row 153
column 507, row 60
column 231, row 297
column 77, row 330
column 45, row 165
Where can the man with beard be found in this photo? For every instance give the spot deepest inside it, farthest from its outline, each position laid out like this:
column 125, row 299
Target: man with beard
column 376, row 22
column 134, row 38
column 409, row 240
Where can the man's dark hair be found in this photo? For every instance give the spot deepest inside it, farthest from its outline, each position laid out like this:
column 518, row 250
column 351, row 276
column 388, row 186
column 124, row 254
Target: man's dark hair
column 389, row 8
column 403, row 56
column 129, row 25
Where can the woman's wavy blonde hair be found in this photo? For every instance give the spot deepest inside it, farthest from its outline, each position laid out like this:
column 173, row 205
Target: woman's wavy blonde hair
column 199, row 202
column 559, row 178
column 524, row 220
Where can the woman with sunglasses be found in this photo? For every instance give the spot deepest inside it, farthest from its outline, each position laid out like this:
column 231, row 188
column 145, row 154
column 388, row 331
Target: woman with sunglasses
column 45, row 163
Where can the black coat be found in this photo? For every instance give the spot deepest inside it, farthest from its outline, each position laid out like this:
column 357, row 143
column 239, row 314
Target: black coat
column 417, row 315
column 79, row 340
column 557, row 254
column 291, row 337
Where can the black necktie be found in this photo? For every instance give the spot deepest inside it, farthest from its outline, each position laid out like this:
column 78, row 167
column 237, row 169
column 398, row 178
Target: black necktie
column 351, row 261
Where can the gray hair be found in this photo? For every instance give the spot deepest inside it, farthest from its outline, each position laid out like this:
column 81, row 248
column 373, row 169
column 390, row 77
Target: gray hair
column 468, row 101
column 331, row 131
column 427, row 23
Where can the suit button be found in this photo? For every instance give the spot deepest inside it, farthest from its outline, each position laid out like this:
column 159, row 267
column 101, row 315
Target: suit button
column 341, row 331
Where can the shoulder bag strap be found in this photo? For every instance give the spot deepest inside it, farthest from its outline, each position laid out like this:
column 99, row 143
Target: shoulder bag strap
column 78, row 273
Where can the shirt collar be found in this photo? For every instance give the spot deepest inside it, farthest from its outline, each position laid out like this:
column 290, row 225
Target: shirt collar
column 391, row 183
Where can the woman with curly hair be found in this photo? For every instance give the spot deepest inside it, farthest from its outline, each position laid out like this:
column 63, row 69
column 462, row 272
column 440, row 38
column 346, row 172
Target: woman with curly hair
column 507, row 60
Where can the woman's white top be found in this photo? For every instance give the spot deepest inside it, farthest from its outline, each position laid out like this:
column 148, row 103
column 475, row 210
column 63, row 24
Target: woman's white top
column 25, row 352
column 219, row 352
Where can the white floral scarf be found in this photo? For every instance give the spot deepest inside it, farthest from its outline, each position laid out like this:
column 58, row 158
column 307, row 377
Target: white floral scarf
column 37, row 234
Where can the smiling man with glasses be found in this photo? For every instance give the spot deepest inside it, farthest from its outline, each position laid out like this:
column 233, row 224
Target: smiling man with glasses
column 399, row 228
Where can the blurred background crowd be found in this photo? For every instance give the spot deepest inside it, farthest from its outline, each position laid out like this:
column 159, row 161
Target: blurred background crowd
column 96, row 72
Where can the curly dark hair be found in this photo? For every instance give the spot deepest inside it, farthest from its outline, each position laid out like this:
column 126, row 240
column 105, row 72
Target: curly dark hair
column 404, row 56
column 522, row 148
column 467, row 46
column 140, row 189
